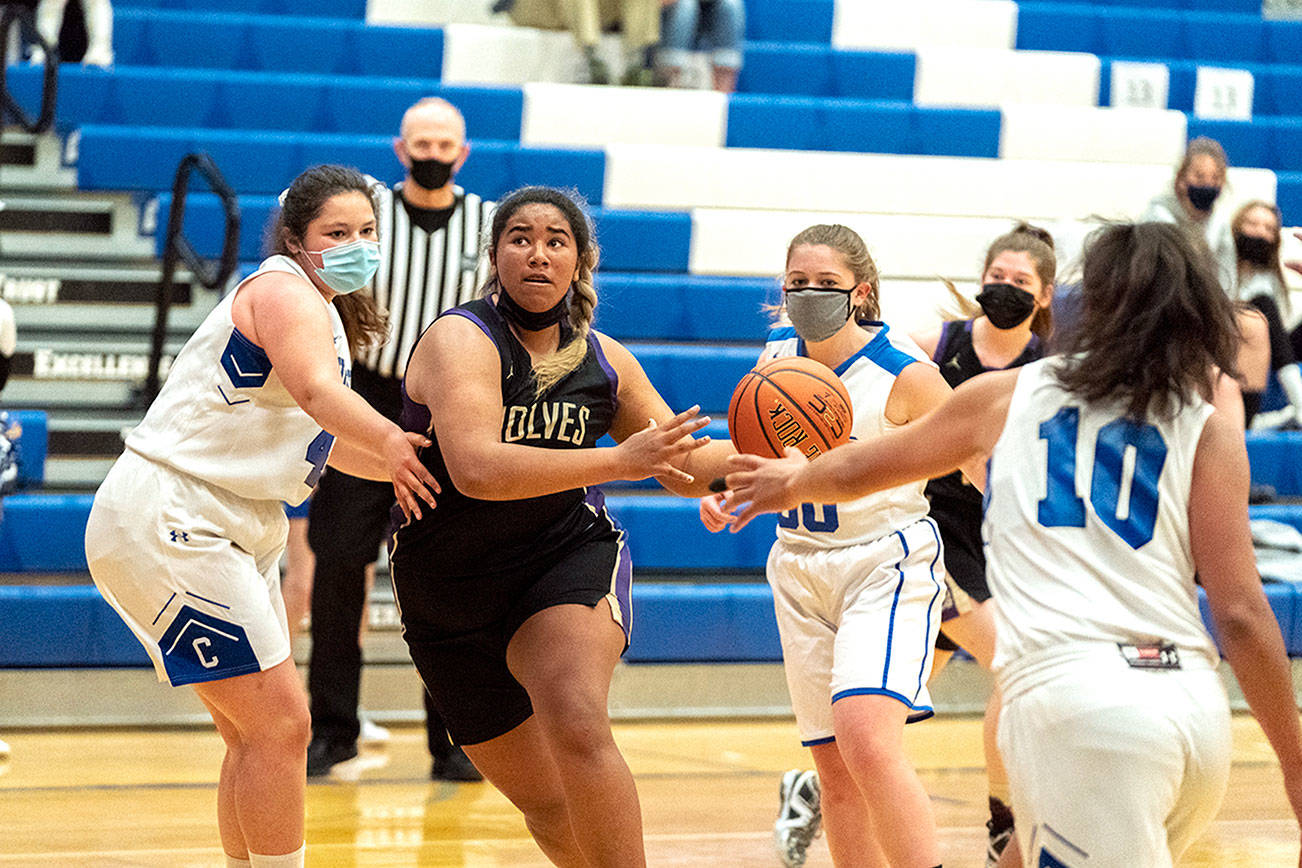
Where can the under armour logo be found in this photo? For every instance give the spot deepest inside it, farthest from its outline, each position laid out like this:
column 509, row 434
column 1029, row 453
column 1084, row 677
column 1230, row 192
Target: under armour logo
column 180, row 536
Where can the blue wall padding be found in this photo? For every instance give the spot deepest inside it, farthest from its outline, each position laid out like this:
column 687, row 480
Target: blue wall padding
column 684, row 307
column 293, row 102
column 1284, row 601
column 1288, row 196
column 625, row 242
column 63, row 625
column 355, row 9
column 665, row 533
column 145, row 158
column 718, row 623
column 687, row 375
column 789, row 20
column 44, row 533
column 826, row 124
column 810, row 69
column 1175, row 34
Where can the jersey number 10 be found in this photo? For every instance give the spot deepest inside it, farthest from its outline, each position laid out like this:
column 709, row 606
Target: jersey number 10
column 1115, row 482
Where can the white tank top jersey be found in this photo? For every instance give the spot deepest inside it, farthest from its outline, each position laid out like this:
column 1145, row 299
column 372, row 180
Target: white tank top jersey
column 223, row 415
column 1087, row 525
column 868, row 375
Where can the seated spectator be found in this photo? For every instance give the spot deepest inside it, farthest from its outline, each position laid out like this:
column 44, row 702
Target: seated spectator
column 1191, row 201
column 638, row 21
column 99, row 30
column 1260, row 283
column 716, row 25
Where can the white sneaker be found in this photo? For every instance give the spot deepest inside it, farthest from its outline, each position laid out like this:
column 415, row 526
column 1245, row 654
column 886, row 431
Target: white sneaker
column 799, row 817
column 4, row 749
column 371, row 732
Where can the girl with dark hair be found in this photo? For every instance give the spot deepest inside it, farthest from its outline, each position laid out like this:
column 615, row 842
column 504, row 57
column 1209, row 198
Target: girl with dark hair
column 185, row 535
column 514, row 593
column 1118, row 473
column 1009, row 328
column 1260, row 283
column 857, row 588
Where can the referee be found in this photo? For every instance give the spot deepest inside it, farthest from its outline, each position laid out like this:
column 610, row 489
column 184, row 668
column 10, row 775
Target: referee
column 429, row 232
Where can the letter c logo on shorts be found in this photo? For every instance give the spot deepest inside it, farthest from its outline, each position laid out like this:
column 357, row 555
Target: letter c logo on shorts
column 200, row 647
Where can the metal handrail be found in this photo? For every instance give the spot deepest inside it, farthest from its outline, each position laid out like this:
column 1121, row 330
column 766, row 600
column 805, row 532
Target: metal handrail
column 9, row 107
column 178, row 248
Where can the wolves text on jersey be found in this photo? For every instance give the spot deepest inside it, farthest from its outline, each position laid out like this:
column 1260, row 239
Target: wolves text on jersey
column 559, row 421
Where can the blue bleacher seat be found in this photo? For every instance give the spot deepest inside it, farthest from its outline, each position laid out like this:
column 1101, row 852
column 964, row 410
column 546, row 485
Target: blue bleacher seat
column 1058, row 27
column 1288, row 196
column 1284, row 600
column 684, row 307
column 811, row 69
column 354, row 9
column 1283, row 42
column 63, row 625
column 687, row 374
column 44, row 533
column 683, row 623
column 32, row 447
column 665, row 533
column 790, row 20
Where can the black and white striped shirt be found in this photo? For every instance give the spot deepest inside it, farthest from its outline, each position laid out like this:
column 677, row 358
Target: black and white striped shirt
column 423, row 273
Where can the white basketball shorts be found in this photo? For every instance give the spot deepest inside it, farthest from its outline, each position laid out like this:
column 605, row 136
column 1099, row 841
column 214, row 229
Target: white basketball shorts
column 1112, row 766
column 192, row 569
column 858, row 620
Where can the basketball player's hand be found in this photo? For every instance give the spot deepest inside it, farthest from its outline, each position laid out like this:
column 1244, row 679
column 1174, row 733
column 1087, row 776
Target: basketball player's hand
column 412, row 481
column 758, row 485
column 713, row 515
column 657, row 450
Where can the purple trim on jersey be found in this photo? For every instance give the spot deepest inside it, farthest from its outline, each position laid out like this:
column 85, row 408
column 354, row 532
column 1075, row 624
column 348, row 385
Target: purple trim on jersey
column 595, row 498
column 606, row 366
column 456, row 311
column 943, row 343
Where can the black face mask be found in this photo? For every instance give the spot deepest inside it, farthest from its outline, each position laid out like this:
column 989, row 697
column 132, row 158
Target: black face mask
column 1255, row 250
column 527, row 319
column 1202, row 198
column 1005, row 305
column 431, row 174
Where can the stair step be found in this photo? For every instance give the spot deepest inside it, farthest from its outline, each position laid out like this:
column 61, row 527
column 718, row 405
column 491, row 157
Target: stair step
column 67, row 225
column 34, row 163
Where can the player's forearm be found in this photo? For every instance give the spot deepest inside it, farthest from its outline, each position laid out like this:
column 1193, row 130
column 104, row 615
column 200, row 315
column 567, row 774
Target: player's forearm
column 1252, row 643
column 510, row 471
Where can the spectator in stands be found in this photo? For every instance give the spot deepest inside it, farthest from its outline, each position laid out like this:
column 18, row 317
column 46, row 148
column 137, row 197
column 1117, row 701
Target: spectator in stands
column 637, row 20
column 1260, row 283
column 98, row 17
column 718, row 25
column 856, row 588
column 514, row 593
column 430, row 235
column 1191, row 203
column 185, row 534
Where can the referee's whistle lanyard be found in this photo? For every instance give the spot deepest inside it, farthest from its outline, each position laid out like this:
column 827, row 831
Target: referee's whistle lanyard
column 346, row 268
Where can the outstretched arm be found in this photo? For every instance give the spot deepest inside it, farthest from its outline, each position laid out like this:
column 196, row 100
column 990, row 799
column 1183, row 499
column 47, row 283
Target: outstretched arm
column 962, row 429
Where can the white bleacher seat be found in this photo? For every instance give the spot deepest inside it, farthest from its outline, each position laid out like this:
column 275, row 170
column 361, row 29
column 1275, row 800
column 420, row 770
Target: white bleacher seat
column 993, row 77
column 1111, row 135
column 888, row 25
column 426, row 12
column 671, row 178
column 588, row 116
column 491, row 54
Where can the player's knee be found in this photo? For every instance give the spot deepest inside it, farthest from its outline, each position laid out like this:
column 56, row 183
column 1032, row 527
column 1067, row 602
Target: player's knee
column 576, row 723
column 287, row 731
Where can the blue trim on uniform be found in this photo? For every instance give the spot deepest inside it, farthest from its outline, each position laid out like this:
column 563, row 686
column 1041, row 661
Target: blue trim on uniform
column 817, row 741
column 895, row 602
column 926, row 652
column 880, row 351
column 607, row 367
column 206, row 600
column 164, row 609
column 917, row 713
column 456, row 311
column 782, row 333
column 199, row 678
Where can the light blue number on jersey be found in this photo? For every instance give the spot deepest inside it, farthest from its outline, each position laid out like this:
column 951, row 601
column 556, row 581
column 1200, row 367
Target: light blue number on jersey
column 808, row 514
column 1062, row 507
column 317, row 453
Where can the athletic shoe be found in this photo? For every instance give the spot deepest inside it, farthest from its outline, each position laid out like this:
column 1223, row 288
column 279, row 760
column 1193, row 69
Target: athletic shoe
column 4, row 749
column 996, row 844
column 323, row 755
column 370, row 732
column 799, row 817
column 456, row 766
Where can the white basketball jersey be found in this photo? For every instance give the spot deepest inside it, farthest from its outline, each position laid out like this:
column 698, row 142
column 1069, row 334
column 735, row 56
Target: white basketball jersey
column 1086, row 524
column 868, row 375
column 223, row 415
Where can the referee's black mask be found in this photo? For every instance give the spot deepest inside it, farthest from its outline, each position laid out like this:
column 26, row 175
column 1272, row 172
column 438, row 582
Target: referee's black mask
column 431, row 174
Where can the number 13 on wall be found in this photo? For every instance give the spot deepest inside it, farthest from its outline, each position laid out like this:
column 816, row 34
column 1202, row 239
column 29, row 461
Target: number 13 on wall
column 1127, row 464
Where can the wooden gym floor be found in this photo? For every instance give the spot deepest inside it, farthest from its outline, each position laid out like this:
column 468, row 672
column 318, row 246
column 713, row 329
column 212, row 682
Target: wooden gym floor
column 133, row 797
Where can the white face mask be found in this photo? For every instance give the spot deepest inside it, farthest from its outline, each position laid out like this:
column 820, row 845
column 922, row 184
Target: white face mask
column 818, row 312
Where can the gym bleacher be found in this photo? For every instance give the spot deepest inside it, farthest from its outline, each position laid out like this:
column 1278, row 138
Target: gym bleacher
column 928, row 127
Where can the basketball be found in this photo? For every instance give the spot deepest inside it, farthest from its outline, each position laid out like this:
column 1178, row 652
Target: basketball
column 792, row 401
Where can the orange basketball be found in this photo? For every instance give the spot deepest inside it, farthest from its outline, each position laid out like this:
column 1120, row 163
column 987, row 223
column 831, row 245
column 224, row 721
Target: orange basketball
column 792, row 401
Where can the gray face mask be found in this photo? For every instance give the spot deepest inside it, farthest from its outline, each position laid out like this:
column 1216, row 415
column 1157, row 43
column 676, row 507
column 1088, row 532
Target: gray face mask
column 817, row 312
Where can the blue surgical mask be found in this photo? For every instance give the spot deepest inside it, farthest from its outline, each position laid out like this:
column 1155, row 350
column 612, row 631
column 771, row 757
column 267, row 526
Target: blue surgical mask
column 348, row 267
